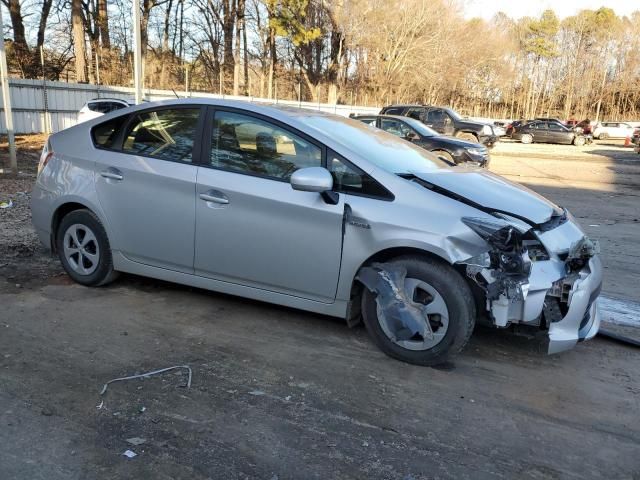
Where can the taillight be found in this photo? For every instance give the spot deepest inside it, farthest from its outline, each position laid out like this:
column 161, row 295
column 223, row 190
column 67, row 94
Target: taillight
column 45, row 156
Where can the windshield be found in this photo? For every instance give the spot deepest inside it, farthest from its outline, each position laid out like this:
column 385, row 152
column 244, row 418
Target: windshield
column 420, row 127
column 383, row 149
column 454, row 114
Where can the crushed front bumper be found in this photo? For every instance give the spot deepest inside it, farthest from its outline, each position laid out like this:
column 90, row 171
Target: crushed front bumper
column 582, row 319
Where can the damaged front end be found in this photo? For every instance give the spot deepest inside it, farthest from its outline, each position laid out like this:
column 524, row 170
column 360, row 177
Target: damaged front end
column 546, row 276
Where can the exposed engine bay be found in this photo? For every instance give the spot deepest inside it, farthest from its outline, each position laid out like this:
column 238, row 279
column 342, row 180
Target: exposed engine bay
column 530, row 274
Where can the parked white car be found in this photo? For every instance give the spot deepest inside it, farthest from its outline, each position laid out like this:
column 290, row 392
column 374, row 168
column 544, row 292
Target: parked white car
column 606, row 130
column 99, row 106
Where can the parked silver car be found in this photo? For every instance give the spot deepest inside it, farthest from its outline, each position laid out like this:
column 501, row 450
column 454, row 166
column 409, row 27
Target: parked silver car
column 316, row 212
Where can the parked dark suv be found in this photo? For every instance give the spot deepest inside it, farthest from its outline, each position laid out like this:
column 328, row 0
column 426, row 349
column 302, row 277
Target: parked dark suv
column 454, row 150
column 447, row 122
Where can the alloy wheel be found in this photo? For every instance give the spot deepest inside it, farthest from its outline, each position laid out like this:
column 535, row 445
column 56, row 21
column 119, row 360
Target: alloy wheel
column 81, row 249
column 436, row 314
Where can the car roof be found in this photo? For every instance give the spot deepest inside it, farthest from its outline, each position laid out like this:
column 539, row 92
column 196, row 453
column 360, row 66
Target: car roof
column 107, row 99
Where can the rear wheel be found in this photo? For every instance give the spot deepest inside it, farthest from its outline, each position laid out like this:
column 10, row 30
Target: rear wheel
column 439, row 291
column 83, row 248
column 526, row 138
column 579, row 141
column 469, row 137
column 603, row 136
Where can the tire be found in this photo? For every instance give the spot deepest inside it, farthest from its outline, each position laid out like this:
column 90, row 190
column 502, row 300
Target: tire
column 83, row 248
column 579, row 141
column 526, row 138
column 469, row 137
column 444, row 154
column 603, row 136
column 460, row 306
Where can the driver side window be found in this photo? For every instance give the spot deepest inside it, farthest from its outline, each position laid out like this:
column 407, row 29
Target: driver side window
column 249, row 145
column 395, row 127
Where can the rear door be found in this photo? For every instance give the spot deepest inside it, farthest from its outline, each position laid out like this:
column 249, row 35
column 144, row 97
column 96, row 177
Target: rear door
column 252, row 228
column 145, row 185
column 557, row 134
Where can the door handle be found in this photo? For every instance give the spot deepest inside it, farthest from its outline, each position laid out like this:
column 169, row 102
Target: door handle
column 215, row 197
column 112, row 173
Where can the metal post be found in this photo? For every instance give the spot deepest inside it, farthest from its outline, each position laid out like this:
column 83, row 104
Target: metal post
column 186, row 80
column 137, row 52
column 47, row 128
column 6, row 98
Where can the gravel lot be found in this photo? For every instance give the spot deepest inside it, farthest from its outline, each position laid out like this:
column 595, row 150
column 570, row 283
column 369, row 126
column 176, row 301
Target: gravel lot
column 279, row 393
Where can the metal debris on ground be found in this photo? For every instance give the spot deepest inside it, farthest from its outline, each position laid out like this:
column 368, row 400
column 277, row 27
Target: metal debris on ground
column 146, row 375
column 256, row 393
column 8, row 204
column 129, row 453
column 136, row 441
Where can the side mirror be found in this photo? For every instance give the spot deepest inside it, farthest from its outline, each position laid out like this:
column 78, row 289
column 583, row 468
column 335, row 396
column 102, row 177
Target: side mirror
column 412, row 136
column 312, row 179
column 315, row 179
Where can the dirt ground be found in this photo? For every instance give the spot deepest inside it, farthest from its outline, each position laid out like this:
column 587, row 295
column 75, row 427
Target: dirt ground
column 279, row 393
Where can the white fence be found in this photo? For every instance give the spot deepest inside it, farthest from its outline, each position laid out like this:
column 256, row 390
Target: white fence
column 52, row 106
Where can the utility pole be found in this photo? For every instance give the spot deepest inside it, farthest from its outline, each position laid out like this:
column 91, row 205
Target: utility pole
column 137, row 52
column 6, row 98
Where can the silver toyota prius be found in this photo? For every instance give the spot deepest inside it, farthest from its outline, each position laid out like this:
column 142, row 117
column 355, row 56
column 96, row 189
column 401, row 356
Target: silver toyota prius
column 315, row 212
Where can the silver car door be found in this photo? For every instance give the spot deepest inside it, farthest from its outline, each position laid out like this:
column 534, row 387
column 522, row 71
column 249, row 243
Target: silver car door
column 252, row 228
column 146, row 187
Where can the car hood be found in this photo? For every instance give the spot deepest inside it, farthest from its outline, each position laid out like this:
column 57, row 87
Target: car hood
column 480, row 188
column 456, row 142
column 471, row 124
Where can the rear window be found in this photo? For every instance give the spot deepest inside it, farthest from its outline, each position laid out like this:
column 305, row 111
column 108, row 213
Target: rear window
column 105, row 134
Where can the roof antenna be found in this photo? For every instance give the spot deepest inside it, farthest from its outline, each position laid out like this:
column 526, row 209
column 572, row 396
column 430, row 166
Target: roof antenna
column 174, row 92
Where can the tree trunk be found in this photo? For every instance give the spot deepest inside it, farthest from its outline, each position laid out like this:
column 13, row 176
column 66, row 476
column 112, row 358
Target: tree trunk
column 236, row 54
column 42, row 25
column 103, row 24
column 228, row 23
column 79, row 45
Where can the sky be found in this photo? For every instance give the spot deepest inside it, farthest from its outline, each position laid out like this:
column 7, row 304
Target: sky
column 533, row 8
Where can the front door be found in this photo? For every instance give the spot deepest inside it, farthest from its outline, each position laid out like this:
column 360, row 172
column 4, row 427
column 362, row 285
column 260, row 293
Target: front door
column 146, row 188
column 252, row 228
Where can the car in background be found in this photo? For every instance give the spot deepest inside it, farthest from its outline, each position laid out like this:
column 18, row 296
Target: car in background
column 605, row 130
column 542, row 131
column 316, row 212
column 499, row 130
column 510, row 128
column 452, row 149
column 636, row 139
column 447, row 122
column 99, row 106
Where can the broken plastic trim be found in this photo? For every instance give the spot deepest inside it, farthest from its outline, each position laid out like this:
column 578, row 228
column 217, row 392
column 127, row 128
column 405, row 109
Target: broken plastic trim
column 503, row 271
column 403, row 317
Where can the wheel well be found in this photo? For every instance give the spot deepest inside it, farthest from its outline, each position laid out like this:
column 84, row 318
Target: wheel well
column 58, row 215
column 390, row 253
column 381, row 257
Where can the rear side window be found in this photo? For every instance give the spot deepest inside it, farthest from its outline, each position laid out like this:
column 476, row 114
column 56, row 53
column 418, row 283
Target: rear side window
column 347, row 178
column 168, row 134
column 105, row 134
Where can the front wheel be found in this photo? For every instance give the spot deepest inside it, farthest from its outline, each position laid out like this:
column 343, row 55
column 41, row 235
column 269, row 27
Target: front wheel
column 526, row 138
column 579, row 141
column 447, row 311
column 469, row 137
column 83, row 248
